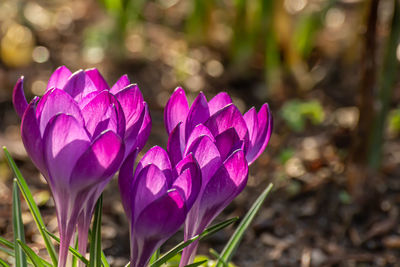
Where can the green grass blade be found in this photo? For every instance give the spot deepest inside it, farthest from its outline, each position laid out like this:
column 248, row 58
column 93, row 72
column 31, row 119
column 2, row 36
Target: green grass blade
column 95, row 238
column 234, row 241
column 36, row 260
column 8, row 251
column 154, row 257
column 218, row 257
column 104, row 260
column 195, row 264
column 3, row 263
column 32, row 207
column 18, row 227
column 178, row 248
column 71, row 249
column 74, row 258
column 6, row 243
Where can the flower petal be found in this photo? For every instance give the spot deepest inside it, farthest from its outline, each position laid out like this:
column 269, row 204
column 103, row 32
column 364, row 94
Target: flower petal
column 189, row 179
column 54, row 102
column 59, row 78
column 219, row 101
column 259, row 142
column 226, row 118
column 223, row 187
column 174, row 145
column 79, row 85
column 176, row 110
column 198, row 113
column 97, row 79
column 19, row 99
column 32, row 138
column 207, row 156
column 145, row 129
column 158, row 157
column 227, row 142
column 198, row 131
column 125, row 181
column 99, row 162
column 64, row 141
column 150, row 184
column 120, row 84
column 131, row 101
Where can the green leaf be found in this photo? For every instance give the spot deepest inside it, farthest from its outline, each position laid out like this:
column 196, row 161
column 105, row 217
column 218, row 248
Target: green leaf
column 75, row 258
column 36, row 260
column 195, row 264
column 234, row 241
column 3, row 263
column 18, row 227
column 6, row 243
column 71, row 249
column 155, row 256
column 95, row 239
column 218, row 257
column 32, row 207
column 178, row 248
column 8, row 251
column 104, row 260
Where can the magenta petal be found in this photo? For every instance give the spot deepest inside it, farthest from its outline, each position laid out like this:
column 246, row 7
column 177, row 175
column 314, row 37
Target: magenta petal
column 79, row 85
column 131, row 101
column 125, row 181
column 189, row 179
column 260, row 140
column 54, row 102
column 32, row 138
column 97, row 79
column 207, row 156
column 226, row 118
column 59, row 78
column 174, row 145
column 250, row 117
column 99, row 162
column 157, row 222
column 64, row 141
column 223, row 187
column 19, row 100
column 145, row 129
column 219, row 101
column 199, row 130
column 120, row 84
column 198, row 113
column 158, row 157
column 227, row 142
column 150, row 184
column 176, row 110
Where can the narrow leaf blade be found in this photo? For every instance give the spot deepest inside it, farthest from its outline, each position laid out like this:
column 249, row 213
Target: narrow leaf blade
column 36, row 260
column 195, row 264
column 234, row 241
column 95, row 239
column 18, row 227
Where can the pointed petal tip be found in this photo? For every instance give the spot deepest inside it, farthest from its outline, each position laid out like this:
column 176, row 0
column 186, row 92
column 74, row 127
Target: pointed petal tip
column 18, row 98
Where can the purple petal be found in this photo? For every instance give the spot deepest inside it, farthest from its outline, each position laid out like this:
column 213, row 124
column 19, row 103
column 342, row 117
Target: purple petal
column 150, row 184
column 99, row 162
column 157, row 222
column 174, row 145
column 189, row 179
column 32, row 138
column 59, row 78
column 207, row 156
column 250, row 117
column 64, row 141
column 260, row 140
column 223, row 187
column 120, row 84
column 145, row 129
column 199, row 130
column 226, row 118
column 131, row 101
column 176, row 110
column 198, row 113
column 79, row 85
column 19, row 100
column 158, row 157
column 227, row 142
column 54, row 102
column 218, row 102
column 125, row 181
column 97, row 79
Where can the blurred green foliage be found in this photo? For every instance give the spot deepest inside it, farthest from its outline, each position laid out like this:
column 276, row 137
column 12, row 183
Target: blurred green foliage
column 394, row 121
column 296, row 113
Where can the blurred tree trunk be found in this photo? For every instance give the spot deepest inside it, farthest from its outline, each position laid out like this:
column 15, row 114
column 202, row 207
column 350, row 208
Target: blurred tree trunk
column 357, row 170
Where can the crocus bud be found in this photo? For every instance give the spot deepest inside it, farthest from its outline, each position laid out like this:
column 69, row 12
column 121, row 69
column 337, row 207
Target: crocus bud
column 78, row 134
column 156, row 198
column 224, row 142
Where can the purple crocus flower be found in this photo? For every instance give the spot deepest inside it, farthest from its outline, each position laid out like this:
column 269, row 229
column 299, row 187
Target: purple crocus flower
column 224, row 142
column 78, row 134
column 156, row 199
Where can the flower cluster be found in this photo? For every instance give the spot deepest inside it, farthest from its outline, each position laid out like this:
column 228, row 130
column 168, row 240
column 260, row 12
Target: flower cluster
column 81, row 132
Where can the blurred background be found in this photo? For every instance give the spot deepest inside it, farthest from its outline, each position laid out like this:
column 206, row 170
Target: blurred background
column 328, row 69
